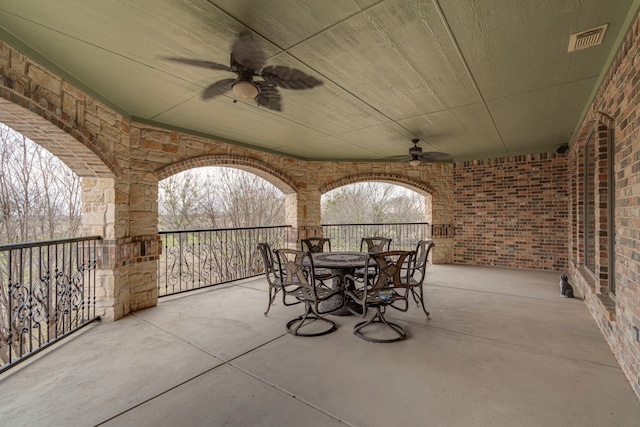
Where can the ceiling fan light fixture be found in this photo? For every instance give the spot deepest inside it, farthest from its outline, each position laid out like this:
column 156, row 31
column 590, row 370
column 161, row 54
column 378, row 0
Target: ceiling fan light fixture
column 245, row 91
column 415, row 153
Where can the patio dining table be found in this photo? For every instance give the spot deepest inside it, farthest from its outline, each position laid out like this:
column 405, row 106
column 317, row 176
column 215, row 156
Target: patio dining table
column 341, row 264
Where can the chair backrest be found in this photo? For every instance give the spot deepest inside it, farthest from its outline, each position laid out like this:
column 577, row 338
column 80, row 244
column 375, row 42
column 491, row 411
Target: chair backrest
column 422, row 253
column 388, row 283
column 315, row 244
column 391, row 269
column 297, row 271
column 375, row 244
column 423, row 248
column 269, row 264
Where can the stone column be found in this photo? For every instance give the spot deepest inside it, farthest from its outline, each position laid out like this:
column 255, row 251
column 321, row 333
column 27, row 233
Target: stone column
column 303, row 214
column 442, row 229
column 99, row 213
column 126, row 215
column 140, row 251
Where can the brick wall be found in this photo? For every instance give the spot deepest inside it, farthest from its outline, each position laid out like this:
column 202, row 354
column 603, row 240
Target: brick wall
column 512, row 212
column 615, row 107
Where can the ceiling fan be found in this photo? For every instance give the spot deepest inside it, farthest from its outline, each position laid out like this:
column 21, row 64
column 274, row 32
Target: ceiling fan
column 247, row 61
column 417, row 156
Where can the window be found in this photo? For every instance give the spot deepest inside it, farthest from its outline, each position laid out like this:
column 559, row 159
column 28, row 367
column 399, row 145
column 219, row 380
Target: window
column 611, row 192
column 589, row 207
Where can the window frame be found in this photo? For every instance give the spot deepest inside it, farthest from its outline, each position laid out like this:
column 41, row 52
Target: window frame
column 611, row 208
column 588, row 207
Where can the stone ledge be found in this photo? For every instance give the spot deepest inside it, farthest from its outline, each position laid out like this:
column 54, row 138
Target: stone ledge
column 605, row 305
column 608, row 306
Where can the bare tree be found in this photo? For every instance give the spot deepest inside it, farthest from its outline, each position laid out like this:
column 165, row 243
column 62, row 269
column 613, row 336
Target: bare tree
column 212, row 205
column 7, row 203
column 248, row 200
column 371, row 202
column 39, row 199
column 218, row 198
column 70, row 187
column 16, row 191
column 178, row 198
column 215, row 198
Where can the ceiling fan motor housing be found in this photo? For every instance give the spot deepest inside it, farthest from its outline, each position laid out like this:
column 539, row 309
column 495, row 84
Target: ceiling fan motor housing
column 415, row 151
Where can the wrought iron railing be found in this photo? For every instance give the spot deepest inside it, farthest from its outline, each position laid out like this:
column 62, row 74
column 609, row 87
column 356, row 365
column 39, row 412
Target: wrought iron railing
column 48, row 291
column 194, row 259
column 403, row 235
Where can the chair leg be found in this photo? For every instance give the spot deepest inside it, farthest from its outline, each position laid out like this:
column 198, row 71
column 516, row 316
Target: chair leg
column 308, row 317
column 415, row 296
column 272, row 298
column 379, row 318
column 421, row 297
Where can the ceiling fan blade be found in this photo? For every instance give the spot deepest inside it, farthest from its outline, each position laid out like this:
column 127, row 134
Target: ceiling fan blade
column 288, row 78
column 433, row 156
column 247, row 52
column 218, row 88
column 200, row 63
column 269, row 97
column 399, row 158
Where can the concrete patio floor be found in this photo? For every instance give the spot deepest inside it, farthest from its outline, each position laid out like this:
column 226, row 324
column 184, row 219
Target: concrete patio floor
column 502, row 349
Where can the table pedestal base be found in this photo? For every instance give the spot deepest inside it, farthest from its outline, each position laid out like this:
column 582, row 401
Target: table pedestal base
column 341, row 264
column 333, row 306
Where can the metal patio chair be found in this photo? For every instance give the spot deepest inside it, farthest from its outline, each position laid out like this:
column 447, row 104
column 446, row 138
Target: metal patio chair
column 299, row 282
column 372, row 245
column 273, row 275
column 417, row 272
column 375, row 244
column 383, row 286
column 315, row 245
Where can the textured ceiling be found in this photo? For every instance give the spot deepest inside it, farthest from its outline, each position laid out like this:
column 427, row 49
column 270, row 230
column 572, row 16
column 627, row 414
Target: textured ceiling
column 474, row 78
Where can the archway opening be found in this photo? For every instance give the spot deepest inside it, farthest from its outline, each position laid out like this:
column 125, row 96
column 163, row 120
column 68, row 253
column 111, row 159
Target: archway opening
column 40, row 196
column 375, row 209
column 211, row 220
column 47, row 261
column 372, row 202
column 218, row 197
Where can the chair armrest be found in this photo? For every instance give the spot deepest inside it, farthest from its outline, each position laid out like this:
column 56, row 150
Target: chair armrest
column 355, row 279
column 356, row 297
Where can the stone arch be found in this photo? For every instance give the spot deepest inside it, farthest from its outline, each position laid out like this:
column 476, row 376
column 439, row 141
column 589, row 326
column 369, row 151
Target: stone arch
column 98, row 184
column 283, row 182
column 390, row 178
column 98, row 178
column 46, row 124
column 418, row 186
column 70, row 147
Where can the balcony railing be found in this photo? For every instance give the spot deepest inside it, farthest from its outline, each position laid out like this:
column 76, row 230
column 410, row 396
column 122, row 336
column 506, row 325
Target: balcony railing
column 48, row 291
column 403, row 235
column 194, row 259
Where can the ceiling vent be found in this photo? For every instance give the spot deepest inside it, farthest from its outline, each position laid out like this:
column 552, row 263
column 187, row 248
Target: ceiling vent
column 588, row 38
